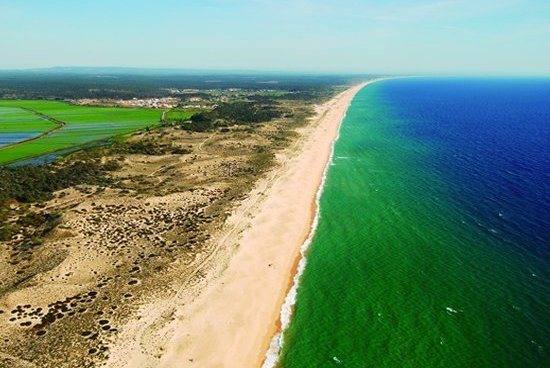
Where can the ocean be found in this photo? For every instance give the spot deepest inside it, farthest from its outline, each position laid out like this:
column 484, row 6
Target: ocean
column 433, row 242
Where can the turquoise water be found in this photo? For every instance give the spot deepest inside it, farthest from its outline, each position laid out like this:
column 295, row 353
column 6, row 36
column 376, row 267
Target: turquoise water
column 433, row 242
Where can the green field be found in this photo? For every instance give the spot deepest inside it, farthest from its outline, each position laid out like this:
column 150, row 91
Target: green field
column 180, row 115
column 16, row 120
column 83, row 125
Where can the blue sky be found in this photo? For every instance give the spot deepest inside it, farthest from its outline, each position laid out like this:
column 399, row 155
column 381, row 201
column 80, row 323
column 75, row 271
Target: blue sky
column 384, row 36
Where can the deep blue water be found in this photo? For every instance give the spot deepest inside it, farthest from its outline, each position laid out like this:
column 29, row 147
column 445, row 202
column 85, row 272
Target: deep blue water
column 492, row 147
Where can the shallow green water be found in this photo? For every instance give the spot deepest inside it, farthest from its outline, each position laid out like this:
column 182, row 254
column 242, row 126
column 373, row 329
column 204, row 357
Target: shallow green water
column 405, row 268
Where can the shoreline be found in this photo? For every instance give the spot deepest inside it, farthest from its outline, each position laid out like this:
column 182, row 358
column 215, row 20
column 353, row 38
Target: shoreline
column 238, row 317
column 272, row 355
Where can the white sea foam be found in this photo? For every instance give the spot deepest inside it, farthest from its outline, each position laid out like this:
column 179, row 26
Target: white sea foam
column 452, row 311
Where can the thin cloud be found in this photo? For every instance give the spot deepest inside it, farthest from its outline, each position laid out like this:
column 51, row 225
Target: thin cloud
column 393, row 11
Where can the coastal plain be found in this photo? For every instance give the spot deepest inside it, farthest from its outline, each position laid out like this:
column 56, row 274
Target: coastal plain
column 97, row 274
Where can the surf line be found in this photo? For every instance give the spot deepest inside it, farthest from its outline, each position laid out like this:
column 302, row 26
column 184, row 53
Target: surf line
column 273, row 353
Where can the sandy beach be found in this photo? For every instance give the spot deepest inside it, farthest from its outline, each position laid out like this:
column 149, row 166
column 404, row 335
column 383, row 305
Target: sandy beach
column 233, row 321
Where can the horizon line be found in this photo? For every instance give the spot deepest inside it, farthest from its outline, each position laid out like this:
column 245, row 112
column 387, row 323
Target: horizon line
column 184, row 70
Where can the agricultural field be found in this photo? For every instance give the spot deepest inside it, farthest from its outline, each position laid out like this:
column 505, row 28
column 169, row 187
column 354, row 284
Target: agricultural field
column 71, row 126
column 18, row 125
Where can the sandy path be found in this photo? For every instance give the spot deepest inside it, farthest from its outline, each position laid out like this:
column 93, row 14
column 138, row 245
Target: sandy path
column 233, row 320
